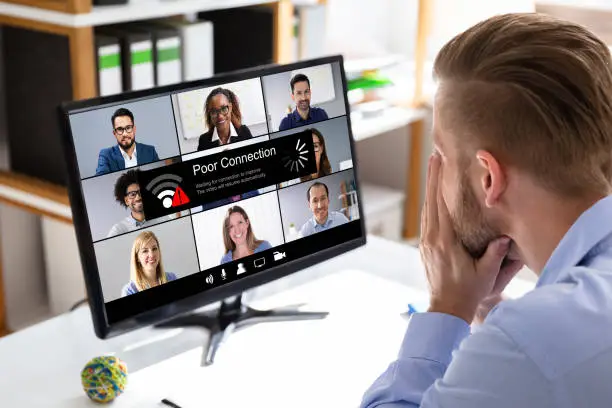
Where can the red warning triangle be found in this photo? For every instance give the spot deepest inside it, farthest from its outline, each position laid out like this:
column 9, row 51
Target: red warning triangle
column 179, row 198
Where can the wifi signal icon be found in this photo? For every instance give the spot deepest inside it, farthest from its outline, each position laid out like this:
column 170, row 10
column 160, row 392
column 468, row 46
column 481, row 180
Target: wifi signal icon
column 166, row 188
column 294, row 161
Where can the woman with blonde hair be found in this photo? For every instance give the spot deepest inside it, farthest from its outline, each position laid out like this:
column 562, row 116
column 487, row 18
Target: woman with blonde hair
column 146, row 268
column 238, row 236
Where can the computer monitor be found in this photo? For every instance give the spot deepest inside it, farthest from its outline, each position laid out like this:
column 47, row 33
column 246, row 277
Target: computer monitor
column 190, row 194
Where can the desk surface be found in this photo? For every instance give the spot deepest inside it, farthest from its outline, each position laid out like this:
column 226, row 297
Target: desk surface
column 295, row 364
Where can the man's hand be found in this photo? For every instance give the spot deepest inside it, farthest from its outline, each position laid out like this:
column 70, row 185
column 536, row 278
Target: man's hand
column 458, row 283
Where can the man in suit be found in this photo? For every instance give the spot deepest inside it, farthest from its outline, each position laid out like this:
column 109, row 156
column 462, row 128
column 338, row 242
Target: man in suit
column 127, row 152
column 304, row 114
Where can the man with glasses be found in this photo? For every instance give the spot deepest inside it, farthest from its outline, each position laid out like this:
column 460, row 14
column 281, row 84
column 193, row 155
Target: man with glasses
column 127, row 152
column 322, row 219
column 127, row 194
column 304, row 114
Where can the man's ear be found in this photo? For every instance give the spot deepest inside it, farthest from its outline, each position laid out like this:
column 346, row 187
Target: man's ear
column 492, row 178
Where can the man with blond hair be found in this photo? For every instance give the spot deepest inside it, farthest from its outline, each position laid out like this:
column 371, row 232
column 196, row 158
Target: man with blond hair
column 520, row 175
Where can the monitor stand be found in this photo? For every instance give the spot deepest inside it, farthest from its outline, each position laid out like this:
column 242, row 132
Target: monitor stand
column 231, row 316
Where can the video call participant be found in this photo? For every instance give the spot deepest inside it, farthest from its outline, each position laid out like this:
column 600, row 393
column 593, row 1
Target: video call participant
column 324, row 167
column 223, row 119
column 238, row 236
column 127, row 152
column 303, row 114
column 127, row 194
column 322, row 219
column 146, row 267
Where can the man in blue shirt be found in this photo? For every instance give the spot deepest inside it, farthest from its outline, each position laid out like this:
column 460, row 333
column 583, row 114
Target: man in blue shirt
column 520, row 174
column 322, row 219
column 304, row 114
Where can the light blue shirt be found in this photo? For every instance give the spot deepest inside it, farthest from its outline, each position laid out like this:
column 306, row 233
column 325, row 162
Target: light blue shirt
column 311, row 226
column 229, row 255
column 552, row 348
column 131, row 287
column 130, row 223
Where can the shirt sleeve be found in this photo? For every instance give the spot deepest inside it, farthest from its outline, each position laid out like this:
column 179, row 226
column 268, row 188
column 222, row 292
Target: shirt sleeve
column 440, row 366
column 285, row 124
column 103, row 165
column 116, row 230
column 304, row 230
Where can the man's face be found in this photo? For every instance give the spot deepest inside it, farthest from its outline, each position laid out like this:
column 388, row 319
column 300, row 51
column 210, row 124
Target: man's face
column 133, row 199
column 124, row 131
column 473, row 227
column 319, row 203
column 301, row 95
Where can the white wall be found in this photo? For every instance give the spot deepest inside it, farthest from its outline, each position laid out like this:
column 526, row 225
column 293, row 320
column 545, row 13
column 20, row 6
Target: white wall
column 363, row 28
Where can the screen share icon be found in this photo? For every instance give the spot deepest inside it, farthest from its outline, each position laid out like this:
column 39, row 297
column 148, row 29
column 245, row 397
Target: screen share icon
column 166, row 188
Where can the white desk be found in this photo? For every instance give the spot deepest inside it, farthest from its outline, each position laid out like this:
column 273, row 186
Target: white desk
column 327, row 363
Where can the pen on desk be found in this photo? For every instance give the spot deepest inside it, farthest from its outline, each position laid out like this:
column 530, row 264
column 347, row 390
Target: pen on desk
column 170, row 403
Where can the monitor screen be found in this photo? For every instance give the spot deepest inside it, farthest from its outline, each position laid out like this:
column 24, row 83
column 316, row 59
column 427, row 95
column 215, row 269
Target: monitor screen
column 186, row 194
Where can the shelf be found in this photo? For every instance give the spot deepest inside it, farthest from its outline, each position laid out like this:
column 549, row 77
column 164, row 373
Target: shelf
column 35, row 195
column 388, row 120
column 103, row 15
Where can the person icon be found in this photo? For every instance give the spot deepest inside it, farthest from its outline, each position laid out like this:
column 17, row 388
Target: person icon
column 241, row 269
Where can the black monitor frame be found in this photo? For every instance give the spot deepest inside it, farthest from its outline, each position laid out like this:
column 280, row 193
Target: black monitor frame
column 180, row 306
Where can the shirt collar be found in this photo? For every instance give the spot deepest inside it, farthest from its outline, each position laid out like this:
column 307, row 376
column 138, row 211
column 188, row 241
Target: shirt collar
column 585, row 234
column 134, row 221
column 298, row 118
column 325, row 224
column 233, row 133
column 125, row 155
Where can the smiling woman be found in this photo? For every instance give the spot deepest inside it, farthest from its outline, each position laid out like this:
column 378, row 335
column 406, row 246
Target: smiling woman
column 223, row 120
column 238, row 236
column 146, row 267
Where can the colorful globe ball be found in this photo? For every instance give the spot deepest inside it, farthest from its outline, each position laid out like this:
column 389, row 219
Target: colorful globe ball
column 104, row 378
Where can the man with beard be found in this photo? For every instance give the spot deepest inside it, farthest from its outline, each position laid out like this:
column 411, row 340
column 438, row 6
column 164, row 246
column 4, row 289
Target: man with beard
column 127, row 194
column 127, row 152
column 322, row 219
column 520, row 174
column 304, row 114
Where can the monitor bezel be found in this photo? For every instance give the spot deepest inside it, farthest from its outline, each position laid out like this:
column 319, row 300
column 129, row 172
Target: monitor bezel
column 184, row 305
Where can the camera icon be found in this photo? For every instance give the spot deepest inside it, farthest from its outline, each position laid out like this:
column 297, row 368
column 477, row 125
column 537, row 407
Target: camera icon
column 279, row 255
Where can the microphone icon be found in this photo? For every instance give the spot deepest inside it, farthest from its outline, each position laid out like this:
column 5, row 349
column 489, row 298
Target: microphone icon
column 223, row 275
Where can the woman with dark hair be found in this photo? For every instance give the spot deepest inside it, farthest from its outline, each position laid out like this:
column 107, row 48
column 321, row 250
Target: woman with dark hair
column 238, row 236
column 223, row 120
column 324, row 168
